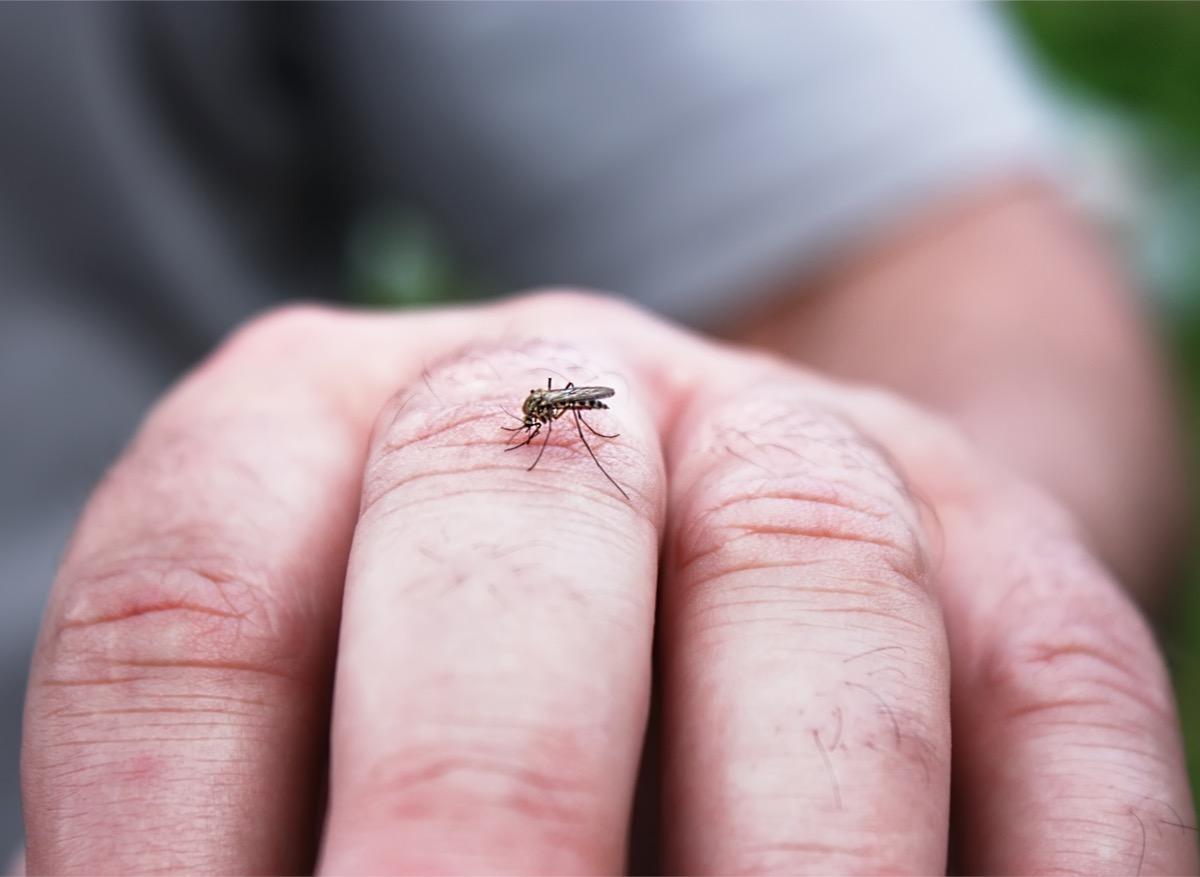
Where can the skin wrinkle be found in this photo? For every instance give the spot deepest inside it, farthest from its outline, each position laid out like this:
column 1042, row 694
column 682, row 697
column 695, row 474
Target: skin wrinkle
column 241, row 666
column 560, row 803
column 1054, row 653
column 139, row 611
column 834, row 530
column 830, row 498
column 105, row 741
column 821, row 484
column 200, row 696
column 84, row 682
column 1068, row 704
column 1145, row 693
column 174, row 637
column 705, row 582
column 567, row 486
column 104, row 565
column 789, row 595
column 798, row 589
column 235, row 727
column 449, row 421
column 1111, row 746
column 747, row 530
column 1074, row 726
column 432, row 769
column 129, row 589
column 155, row 711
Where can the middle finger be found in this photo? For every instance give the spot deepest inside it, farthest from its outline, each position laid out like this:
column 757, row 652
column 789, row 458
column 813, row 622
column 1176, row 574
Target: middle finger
column 493, row 676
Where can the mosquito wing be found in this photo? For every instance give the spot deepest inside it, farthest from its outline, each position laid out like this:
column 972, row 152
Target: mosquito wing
column 575, row 395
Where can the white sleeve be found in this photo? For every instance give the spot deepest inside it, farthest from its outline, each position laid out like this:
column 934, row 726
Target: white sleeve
column 688, row 154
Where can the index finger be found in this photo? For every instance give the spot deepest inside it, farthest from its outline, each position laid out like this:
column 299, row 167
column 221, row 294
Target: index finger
column 178, row 700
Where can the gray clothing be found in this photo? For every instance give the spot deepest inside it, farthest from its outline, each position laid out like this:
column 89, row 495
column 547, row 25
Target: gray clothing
column 168, row 170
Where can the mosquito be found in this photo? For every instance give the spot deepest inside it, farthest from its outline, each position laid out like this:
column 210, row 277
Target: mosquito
column 543, row 407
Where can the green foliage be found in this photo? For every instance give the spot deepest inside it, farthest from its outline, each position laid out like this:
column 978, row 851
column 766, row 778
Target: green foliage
column 1142, row 57
column 397, row 259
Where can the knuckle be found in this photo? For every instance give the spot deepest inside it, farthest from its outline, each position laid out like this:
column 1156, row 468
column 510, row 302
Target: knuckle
column 279, row 359
column 571, row 300
column 448, row 427
column 795, row 487
column 288, row 323
column 1077, row 645
column 280, row 334
column 751, row 529
column 568, row 309
column 171, row 613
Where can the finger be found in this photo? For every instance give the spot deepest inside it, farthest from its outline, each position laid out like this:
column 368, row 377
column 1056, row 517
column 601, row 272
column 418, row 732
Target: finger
column 493, row 680
column 1067, row 751
column 806, row 714
column 178, row 700
column 1067, row 756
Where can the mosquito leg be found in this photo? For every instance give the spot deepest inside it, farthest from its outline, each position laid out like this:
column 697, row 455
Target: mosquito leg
column 545, row 441
column 583, row 439
column 593, row 431
column 533, row 433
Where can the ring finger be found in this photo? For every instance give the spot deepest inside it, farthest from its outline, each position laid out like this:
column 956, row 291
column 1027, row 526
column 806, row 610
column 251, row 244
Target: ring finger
column 806, row 680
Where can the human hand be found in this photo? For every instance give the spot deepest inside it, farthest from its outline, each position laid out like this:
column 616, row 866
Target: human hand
column 834, row 565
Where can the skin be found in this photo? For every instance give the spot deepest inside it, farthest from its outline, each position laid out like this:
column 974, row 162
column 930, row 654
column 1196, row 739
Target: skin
column 316, row 543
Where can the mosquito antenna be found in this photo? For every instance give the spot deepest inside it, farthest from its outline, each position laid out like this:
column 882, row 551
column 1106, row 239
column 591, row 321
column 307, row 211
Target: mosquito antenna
column 559, row 375
column 514, row 417
column 583, row 438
